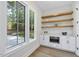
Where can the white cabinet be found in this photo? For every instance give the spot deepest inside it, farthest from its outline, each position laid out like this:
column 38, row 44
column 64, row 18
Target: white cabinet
column 45, row 40
column 68, row 43
column 72, row 44
column 55, row 45
column 63, row 43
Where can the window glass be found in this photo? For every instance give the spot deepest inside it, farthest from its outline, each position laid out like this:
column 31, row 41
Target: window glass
column 21, row 22
column 16, row 23
column 31, row 22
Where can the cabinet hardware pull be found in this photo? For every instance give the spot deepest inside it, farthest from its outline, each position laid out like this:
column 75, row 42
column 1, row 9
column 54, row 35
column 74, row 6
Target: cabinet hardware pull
column 77, row 9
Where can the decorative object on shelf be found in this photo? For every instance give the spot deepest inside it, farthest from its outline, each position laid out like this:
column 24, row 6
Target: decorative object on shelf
column 45, row 32
column 64, row 33
column 56, row 25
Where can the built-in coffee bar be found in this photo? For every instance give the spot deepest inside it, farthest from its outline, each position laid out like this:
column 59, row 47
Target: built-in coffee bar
column 57, row 31
column 63, row 41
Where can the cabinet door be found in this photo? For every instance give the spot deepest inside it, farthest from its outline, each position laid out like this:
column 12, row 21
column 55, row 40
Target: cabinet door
column 68, row 43
column 45, row 40
column 71, row 44
column 64, row 44
column 55, row 45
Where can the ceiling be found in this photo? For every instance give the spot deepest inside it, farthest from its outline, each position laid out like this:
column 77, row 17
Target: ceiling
column 45, row 6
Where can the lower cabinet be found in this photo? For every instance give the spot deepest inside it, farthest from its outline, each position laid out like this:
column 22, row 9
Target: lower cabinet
column 72, row 45
column 45, row 40
column 63, row 43
column 66, row 43
column 55, row 45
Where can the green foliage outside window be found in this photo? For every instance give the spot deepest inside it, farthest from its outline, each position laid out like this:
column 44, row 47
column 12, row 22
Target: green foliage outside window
column 31, row 17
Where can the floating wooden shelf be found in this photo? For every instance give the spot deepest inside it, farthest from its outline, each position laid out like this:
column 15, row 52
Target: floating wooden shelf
column 59, row 14
column 49, row 21
column 57, row 26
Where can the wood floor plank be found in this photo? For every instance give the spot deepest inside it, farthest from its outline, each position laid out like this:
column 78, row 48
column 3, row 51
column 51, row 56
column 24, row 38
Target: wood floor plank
column 50, row 52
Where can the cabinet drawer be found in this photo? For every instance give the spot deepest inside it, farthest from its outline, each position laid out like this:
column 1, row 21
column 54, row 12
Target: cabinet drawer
column 55, row 45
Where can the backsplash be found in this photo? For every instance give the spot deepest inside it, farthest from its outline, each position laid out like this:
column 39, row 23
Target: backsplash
column 57, row 31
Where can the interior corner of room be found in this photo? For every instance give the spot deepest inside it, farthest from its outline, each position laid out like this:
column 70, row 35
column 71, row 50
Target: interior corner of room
column 39, row 28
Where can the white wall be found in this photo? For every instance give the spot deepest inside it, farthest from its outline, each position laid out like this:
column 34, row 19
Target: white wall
column 59, row 30
column 3, row 17
column 56, row 6
column 76, row 26
column 24, row 49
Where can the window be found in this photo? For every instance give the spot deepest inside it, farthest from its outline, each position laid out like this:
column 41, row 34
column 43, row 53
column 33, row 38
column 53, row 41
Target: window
column 16, row 23
column 31, row 22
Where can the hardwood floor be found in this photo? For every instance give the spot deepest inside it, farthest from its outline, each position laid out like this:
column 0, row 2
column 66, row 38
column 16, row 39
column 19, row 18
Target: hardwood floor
column 50, row 52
